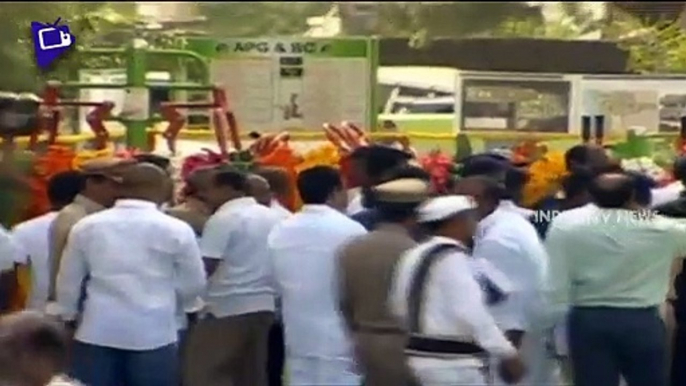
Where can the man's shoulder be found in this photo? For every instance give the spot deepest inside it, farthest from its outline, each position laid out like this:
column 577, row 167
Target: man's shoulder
column 510, row 224
column 34, row 224
column 348, row 222
column 379, row 242
column 571, row 218
column 68, row 217
column 675, row 208
column 192, row 217
column 71, row 212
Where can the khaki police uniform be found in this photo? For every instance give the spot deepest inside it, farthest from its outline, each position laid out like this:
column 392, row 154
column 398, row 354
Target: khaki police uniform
column 366, row 269
column 81, row 207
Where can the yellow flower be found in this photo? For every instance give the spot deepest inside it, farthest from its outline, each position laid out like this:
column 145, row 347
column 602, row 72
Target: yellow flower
column 323, row 155
column 545, row 178
column 89, row 155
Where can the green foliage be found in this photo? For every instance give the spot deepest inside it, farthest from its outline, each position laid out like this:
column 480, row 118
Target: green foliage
column 86, row 20
column 454, row 19
column 252, row 18
column 654, row 48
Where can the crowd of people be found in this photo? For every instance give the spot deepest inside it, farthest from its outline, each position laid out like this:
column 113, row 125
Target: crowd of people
column 386, row 285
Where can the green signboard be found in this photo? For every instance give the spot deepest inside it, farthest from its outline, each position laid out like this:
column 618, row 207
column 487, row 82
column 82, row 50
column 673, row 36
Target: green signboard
column 295, row 83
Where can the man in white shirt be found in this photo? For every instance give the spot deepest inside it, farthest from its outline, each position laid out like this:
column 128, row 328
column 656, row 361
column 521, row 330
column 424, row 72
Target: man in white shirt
column 138, row 261
column 304, row 249
column 261, row 191
column 511, row 244
column 437, row 297
column 229, row 345
column 32, row 236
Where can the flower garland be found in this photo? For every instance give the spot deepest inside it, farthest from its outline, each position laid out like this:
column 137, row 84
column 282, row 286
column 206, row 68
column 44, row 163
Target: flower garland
column 545, row 178
column 440, row 167
column 89, row 155
column 323, row 155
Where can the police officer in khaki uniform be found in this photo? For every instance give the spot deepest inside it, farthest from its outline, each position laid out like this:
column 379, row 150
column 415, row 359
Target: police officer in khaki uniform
column 193, row 210
column 366, row 269
column 100, row 190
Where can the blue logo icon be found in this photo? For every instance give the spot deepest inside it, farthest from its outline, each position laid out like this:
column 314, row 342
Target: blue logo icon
column 50, row 41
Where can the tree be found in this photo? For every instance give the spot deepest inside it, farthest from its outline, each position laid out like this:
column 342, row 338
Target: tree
column 85, row 19
column 252, row 19
column 451, row 19
column 653, row 47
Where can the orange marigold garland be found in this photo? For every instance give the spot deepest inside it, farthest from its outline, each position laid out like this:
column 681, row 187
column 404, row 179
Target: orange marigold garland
column 545, row 177
column 283, row 156
column 56, row 160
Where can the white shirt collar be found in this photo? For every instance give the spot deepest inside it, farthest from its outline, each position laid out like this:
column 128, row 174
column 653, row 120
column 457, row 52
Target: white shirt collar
column 316, row 208
column 488, row 222
column 276, row 204
column 236, row 202
column 135, row 204
column 511, row 206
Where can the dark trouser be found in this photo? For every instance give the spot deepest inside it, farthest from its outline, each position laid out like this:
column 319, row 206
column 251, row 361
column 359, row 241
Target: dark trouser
column 381, row 359
column 228, row 351
column 678, row 376
column 105, row 366
column 276, row 354
column 608, row 342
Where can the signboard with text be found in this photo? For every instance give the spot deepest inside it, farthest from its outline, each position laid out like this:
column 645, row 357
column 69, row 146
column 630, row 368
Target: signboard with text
column 297, row 83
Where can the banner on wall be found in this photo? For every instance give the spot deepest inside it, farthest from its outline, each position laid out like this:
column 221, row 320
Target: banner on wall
column 297, row 83
column 647, row 105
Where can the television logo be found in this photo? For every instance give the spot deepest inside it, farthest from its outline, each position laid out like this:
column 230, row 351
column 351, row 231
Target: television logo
column 50, row 41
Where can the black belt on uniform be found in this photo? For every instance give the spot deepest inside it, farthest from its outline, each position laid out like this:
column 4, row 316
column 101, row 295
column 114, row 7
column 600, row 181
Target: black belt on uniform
column 378, row 329
column 427, row 345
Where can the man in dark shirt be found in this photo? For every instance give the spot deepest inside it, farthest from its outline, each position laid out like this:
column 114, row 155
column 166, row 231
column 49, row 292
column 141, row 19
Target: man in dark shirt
column 369, row 218
column 575, row 189
column 371, row 164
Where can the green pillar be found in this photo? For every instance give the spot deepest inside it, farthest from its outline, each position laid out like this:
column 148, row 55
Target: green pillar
column 137, row 95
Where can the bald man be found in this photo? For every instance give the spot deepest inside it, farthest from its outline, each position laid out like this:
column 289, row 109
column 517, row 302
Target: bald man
column 608, row 275
column 258, row 188
column 141, row 262
column 280, row 186
column 33, row 349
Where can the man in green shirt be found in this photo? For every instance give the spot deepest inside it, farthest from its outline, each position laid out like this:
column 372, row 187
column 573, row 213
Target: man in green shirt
column 609, row 267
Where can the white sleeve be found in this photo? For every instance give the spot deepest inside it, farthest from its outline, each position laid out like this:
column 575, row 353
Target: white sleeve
column 190, row 271
column 215, row 238
column 465, row 300
column 8, row 250
column 21, row 256
column 559, row 279
column 397, row 298
column 678, row 233
column 72, row 272
column 510, row 313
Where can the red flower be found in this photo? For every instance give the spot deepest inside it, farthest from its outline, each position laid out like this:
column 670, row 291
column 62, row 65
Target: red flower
column 196, row 161
column 438, row 165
